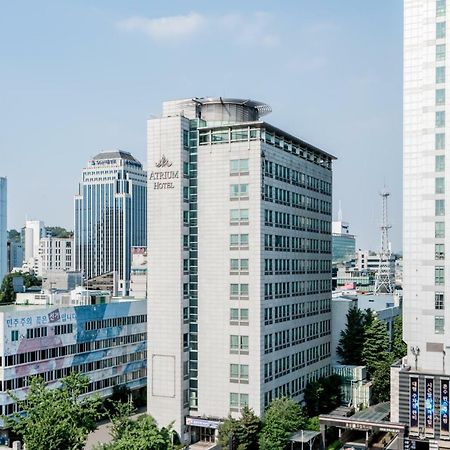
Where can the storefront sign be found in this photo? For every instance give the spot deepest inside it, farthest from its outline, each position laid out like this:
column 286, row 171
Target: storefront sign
column 160, row 177
column 194, row 422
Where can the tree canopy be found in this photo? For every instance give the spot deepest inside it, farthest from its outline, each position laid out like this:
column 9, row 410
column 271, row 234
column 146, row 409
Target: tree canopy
column 283, row 417
column 57, row 418
column 136, row 433
column 399, row 347
column 245, row 430
column 323, row 395
column 7, row 294
column 351, row 342
column 376, row 345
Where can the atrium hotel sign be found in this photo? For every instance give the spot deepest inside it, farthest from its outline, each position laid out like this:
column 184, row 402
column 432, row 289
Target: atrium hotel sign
column 162, row 175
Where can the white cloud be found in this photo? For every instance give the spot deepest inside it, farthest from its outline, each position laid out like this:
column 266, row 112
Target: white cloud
column 165, row 28
column 253, row 30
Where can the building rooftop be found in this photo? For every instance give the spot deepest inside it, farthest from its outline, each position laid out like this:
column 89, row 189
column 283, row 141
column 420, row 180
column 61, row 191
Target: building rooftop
column 261, row 107
column 110, row 154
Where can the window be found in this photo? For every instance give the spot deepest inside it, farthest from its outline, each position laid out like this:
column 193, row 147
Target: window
column 439, row 324
column 238, row 190
column 185, row 169
column 440, row 8
column 439, row 185
column 440, row 119
column 440, row 97
column 238, row 166
column 440, row 52
column 239, row 372
column 238, row 400
column 439, row 275
column 185, row 341
column 439, row 207
column 439, row 141
column 238, row 216
column 439, row 252
column 439, row 230
column 15, row 335
column 440, row 163
column 185, row 193
column 238, row 343
column 238, row 240
column 239, row 315
column 439, row 300
column 440, row 30
column 239, row 265
column 239, row 290
column 440, row 74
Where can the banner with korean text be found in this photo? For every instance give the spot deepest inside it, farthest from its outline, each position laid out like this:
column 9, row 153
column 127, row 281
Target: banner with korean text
column 414, row 404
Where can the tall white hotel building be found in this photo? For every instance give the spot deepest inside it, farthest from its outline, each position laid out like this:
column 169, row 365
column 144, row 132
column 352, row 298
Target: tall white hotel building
column 240, row 263
column 420, row 385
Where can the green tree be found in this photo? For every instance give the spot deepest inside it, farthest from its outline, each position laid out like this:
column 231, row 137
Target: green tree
column 7, row 294
column 141, row 433
column 14, row 235
column 283, row 417
column 351, row 342
column 323, row 395
column 376, row 345
column 58, row 418
column 58, row 232
column 381, row 379
column 399, row 347
column 245, row 430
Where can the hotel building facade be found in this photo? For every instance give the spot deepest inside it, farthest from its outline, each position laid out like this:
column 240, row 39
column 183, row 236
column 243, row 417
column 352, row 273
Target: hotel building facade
column 240, row 263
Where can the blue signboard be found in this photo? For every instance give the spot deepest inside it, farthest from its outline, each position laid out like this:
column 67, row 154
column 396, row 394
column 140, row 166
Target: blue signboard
column 414, row 404
column 444, row 408
column 429, row 406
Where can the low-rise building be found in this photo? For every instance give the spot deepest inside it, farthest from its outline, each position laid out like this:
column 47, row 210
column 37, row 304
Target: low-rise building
column 106, row 340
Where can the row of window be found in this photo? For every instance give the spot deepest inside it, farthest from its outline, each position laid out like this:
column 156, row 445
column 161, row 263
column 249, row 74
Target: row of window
column 282, row 243
column 295, row 387
column 294, row 336
column 115, row 322
column 287, row 364
column 52, row 375
column 294, row 311
column 296, row 266
column 288, row 175
column 245, row 134
column 72, row 349
column 92, row 387
column 296, row 200
column 285, row 220
column 296, row 288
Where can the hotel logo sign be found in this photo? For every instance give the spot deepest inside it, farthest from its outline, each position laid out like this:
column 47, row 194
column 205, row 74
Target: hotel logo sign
column 160, row 177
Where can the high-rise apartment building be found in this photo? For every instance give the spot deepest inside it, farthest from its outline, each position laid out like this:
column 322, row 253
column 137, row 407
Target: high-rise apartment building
column 239, row 263
column 110, row 215
column 32, row 234
column 419, row 394
column 3, row 229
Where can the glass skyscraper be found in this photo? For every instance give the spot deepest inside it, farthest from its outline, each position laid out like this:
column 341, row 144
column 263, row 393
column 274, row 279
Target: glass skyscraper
column 110, row 216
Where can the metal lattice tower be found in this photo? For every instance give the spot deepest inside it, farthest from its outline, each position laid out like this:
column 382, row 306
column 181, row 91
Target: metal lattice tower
column 384, row 282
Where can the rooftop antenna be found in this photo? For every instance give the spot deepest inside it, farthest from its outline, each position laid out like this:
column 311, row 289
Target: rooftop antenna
column 384, row 277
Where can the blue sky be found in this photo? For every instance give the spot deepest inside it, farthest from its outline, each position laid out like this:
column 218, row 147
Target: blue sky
column 77, row 77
